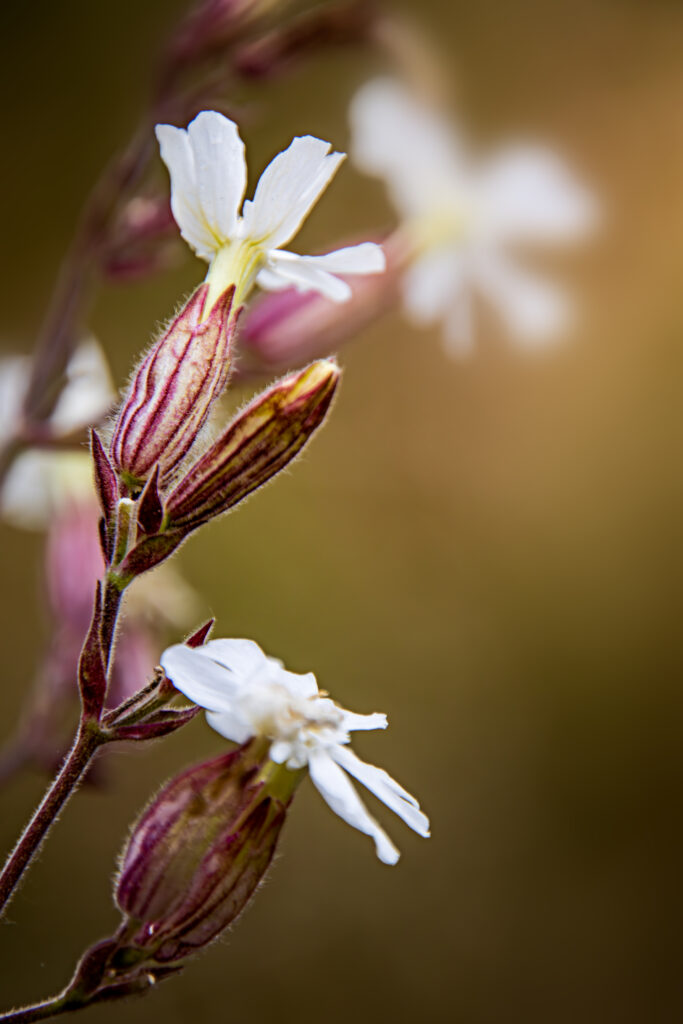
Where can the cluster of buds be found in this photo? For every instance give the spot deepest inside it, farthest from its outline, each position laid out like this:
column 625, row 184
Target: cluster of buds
column 151, row 491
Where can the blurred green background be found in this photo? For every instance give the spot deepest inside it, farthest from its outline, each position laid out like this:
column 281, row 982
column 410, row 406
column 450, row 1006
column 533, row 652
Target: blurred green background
column 487, row 550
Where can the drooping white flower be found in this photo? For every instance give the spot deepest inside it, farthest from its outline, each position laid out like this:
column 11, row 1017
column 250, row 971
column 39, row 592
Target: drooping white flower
column 248, row 694
column 42, row 480
column 463, row 216
column 208, row 173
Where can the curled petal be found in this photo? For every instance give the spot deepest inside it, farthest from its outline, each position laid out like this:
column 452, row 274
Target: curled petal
column 339, row 794
column 386, row 789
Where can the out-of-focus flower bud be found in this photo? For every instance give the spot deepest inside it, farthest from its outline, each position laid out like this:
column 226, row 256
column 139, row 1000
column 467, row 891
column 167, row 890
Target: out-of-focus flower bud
column 341, row 24
column 261, row 441
column 173, row 390
column 286, row 328
column 215, row 24
column 200, row 850
column 143, row 239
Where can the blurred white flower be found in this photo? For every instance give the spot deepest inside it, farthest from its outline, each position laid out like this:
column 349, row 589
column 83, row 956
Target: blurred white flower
column 41, row 484
column 41, row 481
column 462, row 215
column 248, row 694
column 208, row 173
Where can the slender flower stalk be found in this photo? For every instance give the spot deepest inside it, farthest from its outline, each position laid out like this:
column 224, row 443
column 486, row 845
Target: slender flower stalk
column 87, row 742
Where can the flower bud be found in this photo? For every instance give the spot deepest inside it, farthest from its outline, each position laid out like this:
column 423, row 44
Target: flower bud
column 200, row 850
column 173, row 390
column 258, row 443
column 142, row 239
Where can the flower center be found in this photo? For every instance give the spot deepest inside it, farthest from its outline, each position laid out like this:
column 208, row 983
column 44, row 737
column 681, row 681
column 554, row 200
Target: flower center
column 238, row 262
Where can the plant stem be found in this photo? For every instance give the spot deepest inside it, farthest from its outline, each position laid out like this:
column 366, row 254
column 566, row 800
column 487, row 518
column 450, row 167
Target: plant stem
column 39, row 1011
column 87, row 741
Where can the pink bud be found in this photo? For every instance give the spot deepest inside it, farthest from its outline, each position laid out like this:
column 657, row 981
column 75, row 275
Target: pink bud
column 201, row 848
column 263, row 439
column 142, row 239
column 173, row 390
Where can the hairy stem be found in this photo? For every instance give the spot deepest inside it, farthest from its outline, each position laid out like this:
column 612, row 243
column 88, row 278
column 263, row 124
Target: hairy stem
column 87, row 742
column 39, row 1011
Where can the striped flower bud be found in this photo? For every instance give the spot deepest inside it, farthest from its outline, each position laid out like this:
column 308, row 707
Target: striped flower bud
column 200, row 850
column 173, row 390
column 263, row 439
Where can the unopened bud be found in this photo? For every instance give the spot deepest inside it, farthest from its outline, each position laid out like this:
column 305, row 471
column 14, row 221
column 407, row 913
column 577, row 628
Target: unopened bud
column 173, row 390
column 200, row 850
column 142, row 240
column 270, row 432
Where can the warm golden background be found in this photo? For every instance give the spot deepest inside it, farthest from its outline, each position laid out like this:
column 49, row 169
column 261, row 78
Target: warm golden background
column 489, row 551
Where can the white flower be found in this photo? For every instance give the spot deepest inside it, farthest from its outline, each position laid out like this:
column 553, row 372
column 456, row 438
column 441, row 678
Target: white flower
column 463, row 215
column 41, row 481
column 208, row 180
column 248, row 694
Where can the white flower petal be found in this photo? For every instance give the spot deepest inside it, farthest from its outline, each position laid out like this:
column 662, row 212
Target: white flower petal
column 527, row 193
column 280, row 751
column 290, row 185
column 386, row 789
column 355, row 723
column 88, row 393
column 340, row 795
column 243, row 658
column 42, row 484
column 531, row 308
column 432, row 284
column 230, row 725
column 299, row 272
column 366, row 258
column 300, row 685
column 271, row 281
column 176, row 152
column 199, row 677
column 410, row 145
column 220, row 169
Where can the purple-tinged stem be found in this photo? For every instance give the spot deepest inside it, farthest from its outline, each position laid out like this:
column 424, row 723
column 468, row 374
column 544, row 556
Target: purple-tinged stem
column 87, row 742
